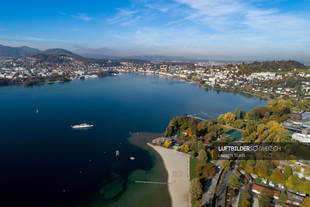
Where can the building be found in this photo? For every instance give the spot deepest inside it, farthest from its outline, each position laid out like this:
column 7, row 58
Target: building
column 258, row 189
column 306, row 116
column 296, row 116
column 301, row 137
column 294, row 199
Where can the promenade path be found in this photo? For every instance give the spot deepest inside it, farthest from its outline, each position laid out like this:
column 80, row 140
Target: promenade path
column 209, row 191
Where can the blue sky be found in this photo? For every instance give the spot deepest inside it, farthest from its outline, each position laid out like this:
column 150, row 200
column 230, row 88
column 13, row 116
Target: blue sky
column 216, row 29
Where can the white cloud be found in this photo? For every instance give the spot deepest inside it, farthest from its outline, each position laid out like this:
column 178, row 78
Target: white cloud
column 125, row 17
column 234, row 13
column 30, row 38
column 82, row 16
column 79, row 16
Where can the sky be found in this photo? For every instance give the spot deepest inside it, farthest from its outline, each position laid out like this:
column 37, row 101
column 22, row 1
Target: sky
column 211, row 29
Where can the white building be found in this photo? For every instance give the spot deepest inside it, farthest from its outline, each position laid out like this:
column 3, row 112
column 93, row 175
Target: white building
column 304, row 138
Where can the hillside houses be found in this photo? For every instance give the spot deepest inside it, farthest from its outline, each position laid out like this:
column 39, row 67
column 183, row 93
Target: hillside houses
column 216, row 76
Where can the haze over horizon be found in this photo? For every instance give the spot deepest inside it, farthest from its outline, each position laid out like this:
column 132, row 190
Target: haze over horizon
column 206, row 29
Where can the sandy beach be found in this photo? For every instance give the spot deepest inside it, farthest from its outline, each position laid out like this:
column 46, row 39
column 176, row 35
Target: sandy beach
column 177, row 166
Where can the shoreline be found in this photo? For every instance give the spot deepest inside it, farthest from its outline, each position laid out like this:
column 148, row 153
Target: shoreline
column 177, row 166
column 140, row 194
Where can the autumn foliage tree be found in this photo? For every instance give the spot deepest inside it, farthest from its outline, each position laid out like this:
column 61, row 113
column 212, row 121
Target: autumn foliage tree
column 208, row 171
column 167, row 143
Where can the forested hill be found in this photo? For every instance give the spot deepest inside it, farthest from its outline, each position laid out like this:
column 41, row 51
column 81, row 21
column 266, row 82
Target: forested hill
column 271, row 66
column 6, row 51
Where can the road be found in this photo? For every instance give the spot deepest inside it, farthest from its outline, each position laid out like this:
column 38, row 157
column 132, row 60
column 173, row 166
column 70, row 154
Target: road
column 223, row 185
column 209, row 189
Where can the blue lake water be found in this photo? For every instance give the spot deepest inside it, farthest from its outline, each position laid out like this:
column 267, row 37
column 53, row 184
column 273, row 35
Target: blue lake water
column 46, row 163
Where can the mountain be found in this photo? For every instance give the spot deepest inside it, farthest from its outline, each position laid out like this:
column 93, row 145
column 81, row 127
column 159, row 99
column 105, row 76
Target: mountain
column 6, row 51
column 59, row 51
column 56, row 55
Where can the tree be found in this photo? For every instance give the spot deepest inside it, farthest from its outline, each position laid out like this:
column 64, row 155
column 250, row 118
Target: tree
column 167, row 143
column 283, row 197
column 305, row 186
column 306, row 202
column 191, row 132
column 242, row 114
column 202, row 156
column 225, row 164
column 262, row 170
column 293, row 182
column 245, row 203
column 196, row 189
column 229, row 118
column 198, row 171
column 250, row 166
column 220, row 119
column 287, row 172
column 265, row 198
column 244, row 199
column 185, row 148
column 208, row 171
column 239, row 124
column 236, row 112
column 214, row 154
column 234, row 181
column 277, row 176
column 196, row 146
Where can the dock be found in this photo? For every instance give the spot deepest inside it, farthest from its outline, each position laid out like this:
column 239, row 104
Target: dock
column 150, row 182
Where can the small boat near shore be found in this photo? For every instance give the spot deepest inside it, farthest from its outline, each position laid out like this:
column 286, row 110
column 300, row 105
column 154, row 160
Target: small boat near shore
column 82, row 126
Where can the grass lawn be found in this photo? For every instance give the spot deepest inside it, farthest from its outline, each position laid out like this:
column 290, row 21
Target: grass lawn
column 193, row 163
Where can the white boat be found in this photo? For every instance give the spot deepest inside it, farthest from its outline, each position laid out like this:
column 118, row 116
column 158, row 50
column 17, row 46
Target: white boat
column 81, row 126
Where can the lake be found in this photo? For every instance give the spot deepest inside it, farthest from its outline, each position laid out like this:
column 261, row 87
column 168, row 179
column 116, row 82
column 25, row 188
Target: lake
column 46, row 163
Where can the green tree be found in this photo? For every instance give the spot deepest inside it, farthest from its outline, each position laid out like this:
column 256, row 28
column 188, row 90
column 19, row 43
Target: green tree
column 244, row 199
column 236, row 112
column 225, row 164
column 196, row 189
column 265, row 198
column 306, row 202
column 245, row 203
column 277, row 176
column 242, row 114
column 287, row 172
column 305, row 186
column 221, row 119
column 234, row 181
column 283, row 197
column 293, row 182
column 263, row 169
column 202, row 157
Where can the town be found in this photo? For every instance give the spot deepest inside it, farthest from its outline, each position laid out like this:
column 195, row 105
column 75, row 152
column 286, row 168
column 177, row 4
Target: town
column 291, row 81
